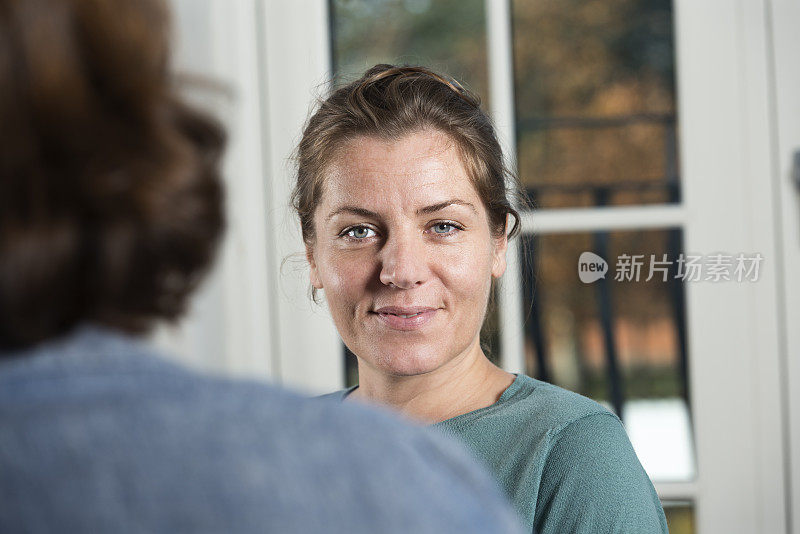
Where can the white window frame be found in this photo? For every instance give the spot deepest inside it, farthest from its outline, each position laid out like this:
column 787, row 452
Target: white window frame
column 734, row 353
column 783, row 17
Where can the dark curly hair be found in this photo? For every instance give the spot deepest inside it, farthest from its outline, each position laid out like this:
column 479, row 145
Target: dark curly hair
column 110, row 190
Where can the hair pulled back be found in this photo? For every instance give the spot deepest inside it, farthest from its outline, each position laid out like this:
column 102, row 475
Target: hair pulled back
column 389, row 102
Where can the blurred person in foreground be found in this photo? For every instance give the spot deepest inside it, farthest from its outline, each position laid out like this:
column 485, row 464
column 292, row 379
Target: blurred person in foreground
column 110, row 210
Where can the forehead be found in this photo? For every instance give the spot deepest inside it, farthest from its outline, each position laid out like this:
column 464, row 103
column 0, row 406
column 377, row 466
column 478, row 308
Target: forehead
column 420, row 168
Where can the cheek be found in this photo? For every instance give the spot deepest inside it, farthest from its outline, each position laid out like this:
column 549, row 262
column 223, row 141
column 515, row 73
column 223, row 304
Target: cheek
column 467, row 272
column 345, row 278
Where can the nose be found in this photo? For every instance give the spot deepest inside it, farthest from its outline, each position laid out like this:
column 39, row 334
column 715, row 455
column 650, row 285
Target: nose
column 404, row 262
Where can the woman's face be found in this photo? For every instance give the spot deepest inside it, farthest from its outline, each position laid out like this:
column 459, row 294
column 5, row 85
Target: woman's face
column 404, row 252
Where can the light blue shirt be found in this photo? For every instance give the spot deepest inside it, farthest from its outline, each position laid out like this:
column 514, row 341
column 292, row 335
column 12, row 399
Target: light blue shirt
column 99, row 435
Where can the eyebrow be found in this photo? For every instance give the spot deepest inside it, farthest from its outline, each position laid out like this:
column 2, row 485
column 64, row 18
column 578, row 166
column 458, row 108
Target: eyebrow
column 442, row 205
column 355, row 210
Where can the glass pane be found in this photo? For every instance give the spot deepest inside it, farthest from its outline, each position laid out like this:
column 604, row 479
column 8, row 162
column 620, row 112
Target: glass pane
column 680, row 517
column 595, row 101
column 621, row 342
column 446, row 35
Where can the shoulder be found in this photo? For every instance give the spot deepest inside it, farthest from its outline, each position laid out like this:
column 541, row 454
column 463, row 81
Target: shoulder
column 526, row 420
column 592, row 481
column 574, row 424
column 550, row 407
column 271, row 458
column 336, row 396
column 591, row 478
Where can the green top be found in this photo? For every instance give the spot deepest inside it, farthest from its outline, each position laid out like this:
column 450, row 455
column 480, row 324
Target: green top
column 564, row 460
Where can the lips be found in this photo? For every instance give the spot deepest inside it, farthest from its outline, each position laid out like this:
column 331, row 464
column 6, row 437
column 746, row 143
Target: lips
column 405, row 318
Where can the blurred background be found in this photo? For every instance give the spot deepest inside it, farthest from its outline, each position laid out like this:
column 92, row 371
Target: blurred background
column 652, row 128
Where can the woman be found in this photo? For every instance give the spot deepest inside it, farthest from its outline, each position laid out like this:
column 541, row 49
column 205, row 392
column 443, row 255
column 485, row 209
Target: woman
column 402, row 200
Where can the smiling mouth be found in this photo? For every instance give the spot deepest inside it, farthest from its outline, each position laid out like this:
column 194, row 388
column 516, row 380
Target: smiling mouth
column 403, row 311
column 405, row 318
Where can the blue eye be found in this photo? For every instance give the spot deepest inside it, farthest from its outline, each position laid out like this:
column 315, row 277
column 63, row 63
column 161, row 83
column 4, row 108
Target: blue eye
column 443, row 228
column 359, row 232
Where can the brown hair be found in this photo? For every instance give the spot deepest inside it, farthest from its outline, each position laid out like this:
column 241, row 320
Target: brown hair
column 388, row 102
column 110, row 195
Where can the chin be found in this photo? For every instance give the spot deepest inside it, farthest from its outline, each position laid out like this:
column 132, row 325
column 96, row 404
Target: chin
column 408, row 362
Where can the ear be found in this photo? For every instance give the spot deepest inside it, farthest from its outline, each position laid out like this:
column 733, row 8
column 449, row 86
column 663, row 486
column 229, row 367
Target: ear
column 499, row 253
column 316, row 282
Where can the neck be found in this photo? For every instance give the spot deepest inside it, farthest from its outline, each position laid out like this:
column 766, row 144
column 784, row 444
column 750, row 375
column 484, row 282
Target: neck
column 464, row 384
